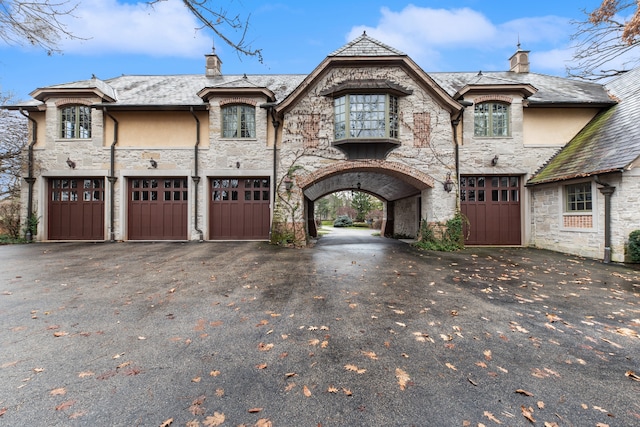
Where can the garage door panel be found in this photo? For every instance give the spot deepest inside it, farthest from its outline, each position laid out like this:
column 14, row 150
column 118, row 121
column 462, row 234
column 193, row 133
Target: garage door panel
column 492, row 206
column 158, row 208
column 75, row 209
column 237, row 208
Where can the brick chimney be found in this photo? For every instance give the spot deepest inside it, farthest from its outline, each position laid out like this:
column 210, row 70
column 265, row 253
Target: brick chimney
column 213, row 65
column 519, row 61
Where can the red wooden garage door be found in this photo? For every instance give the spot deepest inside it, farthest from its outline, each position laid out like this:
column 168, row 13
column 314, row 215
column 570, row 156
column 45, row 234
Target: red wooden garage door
column 239, row 209
column 157, row 208
column 492, row 206
column 76, row 209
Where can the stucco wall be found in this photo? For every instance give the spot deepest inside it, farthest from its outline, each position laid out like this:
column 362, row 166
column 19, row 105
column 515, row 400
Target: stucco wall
column 553, row 126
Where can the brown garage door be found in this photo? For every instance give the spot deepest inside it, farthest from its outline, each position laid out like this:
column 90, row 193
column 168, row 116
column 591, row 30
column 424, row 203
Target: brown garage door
column 157, row 208
column 239, row 209
column 492, row 205
column 76, row 209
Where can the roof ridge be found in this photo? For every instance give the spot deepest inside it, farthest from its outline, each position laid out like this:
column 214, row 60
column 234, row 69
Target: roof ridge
column 365, row 45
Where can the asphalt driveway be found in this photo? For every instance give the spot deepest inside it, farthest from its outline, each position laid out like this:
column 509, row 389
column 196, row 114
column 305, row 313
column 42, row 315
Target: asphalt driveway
column 354, row 331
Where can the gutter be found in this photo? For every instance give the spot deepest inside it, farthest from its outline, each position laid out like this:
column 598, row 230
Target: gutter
column 271, row 108
column 196, row 177
column 30, row 179
column 112, row 177
column 606, row 190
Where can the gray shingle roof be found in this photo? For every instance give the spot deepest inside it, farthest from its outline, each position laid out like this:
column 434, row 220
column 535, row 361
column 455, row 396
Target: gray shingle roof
column 551, row 90
column 610, row 142
column 366, row 46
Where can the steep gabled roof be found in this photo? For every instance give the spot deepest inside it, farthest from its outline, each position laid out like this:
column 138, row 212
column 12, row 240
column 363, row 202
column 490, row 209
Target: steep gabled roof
column 610, row 142
column 366, row 46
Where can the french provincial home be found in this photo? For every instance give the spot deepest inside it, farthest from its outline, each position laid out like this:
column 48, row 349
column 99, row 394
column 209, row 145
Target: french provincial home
column 529, row 159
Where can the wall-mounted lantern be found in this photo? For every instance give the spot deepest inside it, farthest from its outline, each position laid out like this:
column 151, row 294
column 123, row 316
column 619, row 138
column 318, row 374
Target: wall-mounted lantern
column 448, row 183
column 288, row 183
column 71, row 163
column 153, row 163
column 494, row 161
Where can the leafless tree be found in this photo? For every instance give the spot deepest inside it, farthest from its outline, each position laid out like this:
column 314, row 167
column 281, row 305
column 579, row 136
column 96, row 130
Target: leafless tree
column 38, row 23
column 604, row 38
column 222, row 23
column 13, row 138
column 41, row 23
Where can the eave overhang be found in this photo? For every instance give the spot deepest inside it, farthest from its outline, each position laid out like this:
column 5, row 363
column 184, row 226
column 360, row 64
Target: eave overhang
column 150, row 107
column 533, row 181
column 210, row 92
column 526, row 90
column 366, row 86
column 42, row 94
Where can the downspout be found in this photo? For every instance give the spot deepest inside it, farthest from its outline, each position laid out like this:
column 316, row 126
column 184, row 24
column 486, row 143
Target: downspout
column 112, row 176
column 606, row 190
column 271, row 107
column 196, row 177
column 30, row 179
column 455, row 122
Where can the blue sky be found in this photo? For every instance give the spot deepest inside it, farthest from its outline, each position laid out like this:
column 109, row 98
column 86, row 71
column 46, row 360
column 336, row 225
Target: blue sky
column 127, row 37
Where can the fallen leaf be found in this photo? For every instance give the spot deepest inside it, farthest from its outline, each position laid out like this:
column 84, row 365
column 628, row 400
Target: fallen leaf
column 261, row 366
column 487, row 355
column 332, row 389
column 306, row 391
column 58, row 391
column 403, row 378
column 450, row 366
column 254, row 410
column 370, row 354
column 60, row 334
column 491, row 417
column 354, row 368
column 167, row 423
column 526, row 393
column 65, row 405
column 347, row 391
column 214, row 420
column 540, row 404
column 289, row 386
column 263, row 422
column 196, row 380
column 265, row 347
column 3, row 411
column 314, row 342
column 219, row 392
column 632, row 375
column 193, row 423
column 214, row 373
column 527, row 413
column 38, row 370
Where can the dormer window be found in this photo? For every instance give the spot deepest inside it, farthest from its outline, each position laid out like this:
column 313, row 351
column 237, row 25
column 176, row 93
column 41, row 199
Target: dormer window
column 239, row 121
column 75, row 122
column 366, row 116
column 492, row 119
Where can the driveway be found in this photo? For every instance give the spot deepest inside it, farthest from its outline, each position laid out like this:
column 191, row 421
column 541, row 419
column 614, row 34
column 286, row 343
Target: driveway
column 354, row 331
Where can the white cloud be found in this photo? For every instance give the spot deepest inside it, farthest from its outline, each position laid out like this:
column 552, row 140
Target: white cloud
column 166, row 29
column 429, row 35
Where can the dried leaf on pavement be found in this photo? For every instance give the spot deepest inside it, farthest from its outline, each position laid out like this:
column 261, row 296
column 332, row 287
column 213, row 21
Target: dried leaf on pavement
column 403, row 378
column 214, row 420
column 528, row 413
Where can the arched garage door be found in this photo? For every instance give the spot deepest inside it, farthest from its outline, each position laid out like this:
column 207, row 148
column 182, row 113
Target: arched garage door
column 75, row 209
column 157, row 208
column 492, row 206
column 239, row 209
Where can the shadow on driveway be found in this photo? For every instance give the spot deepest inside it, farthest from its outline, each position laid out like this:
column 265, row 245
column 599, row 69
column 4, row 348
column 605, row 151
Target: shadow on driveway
column 355, row 331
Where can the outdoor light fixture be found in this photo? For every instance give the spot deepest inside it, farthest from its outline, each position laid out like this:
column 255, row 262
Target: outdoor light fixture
column 288, row 183
column 71, row 163
column 237, row 165
column 494, row 161
column 154, row 164
column 358, row 185
column 448, row 184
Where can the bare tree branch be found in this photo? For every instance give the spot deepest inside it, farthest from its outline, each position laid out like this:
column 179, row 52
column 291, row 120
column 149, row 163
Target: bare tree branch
column 220, row 22
column 604, row 41
column 13, row 138
column 37, row 23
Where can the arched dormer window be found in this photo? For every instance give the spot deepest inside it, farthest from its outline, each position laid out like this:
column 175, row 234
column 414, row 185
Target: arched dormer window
column 492, row 119
column 238, row 121
column 75, row 122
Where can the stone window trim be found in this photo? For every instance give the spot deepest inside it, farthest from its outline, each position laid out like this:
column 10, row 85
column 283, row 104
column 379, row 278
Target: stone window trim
column 493, row 98
column 366, row 116
column 238, row 121
column 237, row 101
column 580, row 220
column 74, row 121
column 63, row 102
column 492, row 119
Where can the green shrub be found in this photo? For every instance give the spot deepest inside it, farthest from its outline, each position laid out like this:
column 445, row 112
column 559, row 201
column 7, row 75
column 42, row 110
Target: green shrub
column 445, row 237
column 343, row 221
column 634, row 246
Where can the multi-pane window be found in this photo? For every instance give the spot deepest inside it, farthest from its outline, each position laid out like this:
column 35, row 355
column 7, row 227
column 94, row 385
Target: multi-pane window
column 238, row 121
column 491, row 119
column 75, row 122
column 578, row 197
column 366, row 116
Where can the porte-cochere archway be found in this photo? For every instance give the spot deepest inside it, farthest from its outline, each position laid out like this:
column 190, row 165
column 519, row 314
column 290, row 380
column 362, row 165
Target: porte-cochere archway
column 400, row 188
